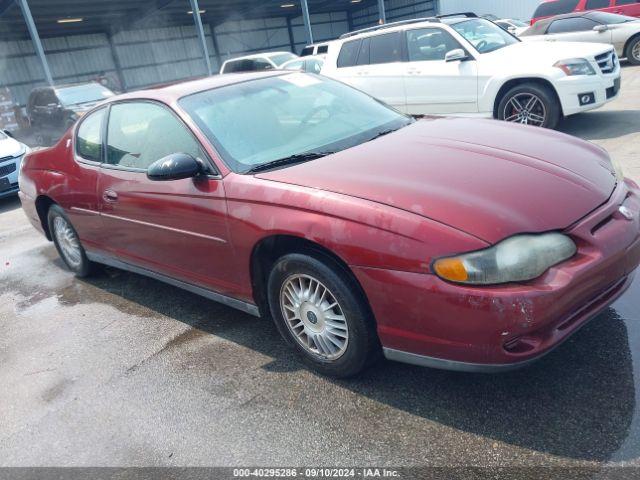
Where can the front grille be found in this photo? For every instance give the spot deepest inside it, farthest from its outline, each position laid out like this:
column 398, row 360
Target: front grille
column 607, row 61
column 7, row 169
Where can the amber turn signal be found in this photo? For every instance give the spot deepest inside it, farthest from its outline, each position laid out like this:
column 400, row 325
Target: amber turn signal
column 451, row 269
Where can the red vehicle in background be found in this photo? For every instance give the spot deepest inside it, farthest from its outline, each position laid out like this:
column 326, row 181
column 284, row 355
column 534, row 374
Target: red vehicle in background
column 551, row 8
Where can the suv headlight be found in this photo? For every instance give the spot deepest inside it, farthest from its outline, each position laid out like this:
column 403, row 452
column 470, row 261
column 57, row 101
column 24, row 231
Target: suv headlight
column 575, row 66
column 516, row 259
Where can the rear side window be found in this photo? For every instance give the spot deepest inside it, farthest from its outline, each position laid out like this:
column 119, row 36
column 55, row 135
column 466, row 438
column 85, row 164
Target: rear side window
column 89, row 137
column 348, row 54
column 556, row 7
column 427, row 44
column 593, row 4
column 247, row 65
column 567, row 25
column 322, row 49
column 386, row 48
column 141, row 133
column 626, row 2
column 306, row 51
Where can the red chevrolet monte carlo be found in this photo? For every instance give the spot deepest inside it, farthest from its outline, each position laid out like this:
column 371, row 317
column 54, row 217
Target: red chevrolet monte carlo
column 451, row 243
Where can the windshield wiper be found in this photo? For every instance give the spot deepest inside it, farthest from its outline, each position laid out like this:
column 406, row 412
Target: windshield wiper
column 383, row 133
column 291, row 160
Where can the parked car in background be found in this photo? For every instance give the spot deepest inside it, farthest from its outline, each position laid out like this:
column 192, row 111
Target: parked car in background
column 52, row 110
column 315, row 49
column 257, row 62
column 513, row 26
column 452, row 243
column 551, row 8
column 469, row 66
column 11, row 153
column 621, row 31
column 305, row 64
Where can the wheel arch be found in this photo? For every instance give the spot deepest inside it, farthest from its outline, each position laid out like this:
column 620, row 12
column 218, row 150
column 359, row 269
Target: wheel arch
column 267, row 251
column 628, row 43
column 509, row 84
column 43, row 204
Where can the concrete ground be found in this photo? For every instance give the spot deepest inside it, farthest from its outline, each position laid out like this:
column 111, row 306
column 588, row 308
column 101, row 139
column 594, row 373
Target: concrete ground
column 121, row 370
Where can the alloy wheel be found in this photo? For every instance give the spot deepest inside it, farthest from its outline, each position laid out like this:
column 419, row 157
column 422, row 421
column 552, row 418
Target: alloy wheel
column 635, row 53
column 314, row 316
column 525, row 108
column 67, row 241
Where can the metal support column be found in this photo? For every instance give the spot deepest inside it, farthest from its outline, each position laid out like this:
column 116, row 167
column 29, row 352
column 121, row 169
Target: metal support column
column 35, row 38
column 383, row 14
column 203, row 40
column 307, row 20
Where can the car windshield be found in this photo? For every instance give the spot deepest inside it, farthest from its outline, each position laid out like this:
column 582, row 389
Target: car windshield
column 282, row 58
column 610, row 18
column 295, row 116
column 92, row 92
column 485, row 36
column 518, row 23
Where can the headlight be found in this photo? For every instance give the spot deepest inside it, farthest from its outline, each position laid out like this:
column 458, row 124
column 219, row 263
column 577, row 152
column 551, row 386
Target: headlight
column 575, row 66
column 617, row 167
column 516, row 259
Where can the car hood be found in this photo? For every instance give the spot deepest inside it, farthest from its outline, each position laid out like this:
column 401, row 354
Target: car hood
column 534, row 50
column 10, row 148
column 487, row 178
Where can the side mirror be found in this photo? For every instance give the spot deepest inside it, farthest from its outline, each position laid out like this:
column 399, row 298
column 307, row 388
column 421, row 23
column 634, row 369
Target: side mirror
column 455, row 55
column 600, row 28
column 174, row 167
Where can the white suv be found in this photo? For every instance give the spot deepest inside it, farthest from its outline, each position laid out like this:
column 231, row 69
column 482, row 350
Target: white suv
column 469, row 66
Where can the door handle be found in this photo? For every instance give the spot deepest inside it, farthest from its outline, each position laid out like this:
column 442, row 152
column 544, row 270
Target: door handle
column 110, row 196
column 414, row 72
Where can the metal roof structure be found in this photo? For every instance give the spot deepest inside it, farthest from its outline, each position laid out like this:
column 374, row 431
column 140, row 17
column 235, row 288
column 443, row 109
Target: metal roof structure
column 56, row 17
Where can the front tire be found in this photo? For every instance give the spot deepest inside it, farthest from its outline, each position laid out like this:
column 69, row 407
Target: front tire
column 530, row 104
column 320, row 312
column 633, row 51
column 67, row 242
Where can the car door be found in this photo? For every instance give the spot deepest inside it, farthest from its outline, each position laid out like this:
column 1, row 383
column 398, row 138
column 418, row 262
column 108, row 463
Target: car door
column 433, row 85
column 381, row 68
column 576, row 29
column 176, row 227
column 627, row 7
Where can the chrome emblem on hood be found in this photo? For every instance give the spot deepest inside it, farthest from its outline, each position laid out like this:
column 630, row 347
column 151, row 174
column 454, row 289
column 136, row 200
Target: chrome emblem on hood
column 626, row 213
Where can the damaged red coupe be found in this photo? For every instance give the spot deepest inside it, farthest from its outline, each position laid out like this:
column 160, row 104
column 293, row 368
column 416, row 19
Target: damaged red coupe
column 452, row 243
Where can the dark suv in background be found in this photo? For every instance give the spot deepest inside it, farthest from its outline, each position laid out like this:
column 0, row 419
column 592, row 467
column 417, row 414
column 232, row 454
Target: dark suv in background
column 52, row 110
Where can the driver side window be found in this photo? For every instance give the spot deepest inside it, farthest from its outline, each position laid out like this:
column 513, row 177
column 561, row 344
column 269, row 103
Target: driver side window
column 139, row 133
column 429, row 44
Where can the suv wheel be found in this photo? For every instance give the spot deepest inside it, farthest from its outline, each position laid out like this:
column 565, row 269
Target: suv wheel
column 67, row 242
column 319, row 312
column 633, row 51
column 530, row 104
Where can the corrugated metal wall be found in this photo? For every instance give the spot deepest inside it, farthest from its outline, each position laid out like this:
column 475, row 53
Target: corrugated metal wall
column 395, row 10
column 522, row 9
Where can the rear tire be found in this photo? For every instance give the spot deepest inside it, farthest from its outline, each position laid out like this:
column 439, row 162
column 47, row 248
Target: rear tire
column 322, row 314
column 530, row 104
column 67, row 242
column 633, row 51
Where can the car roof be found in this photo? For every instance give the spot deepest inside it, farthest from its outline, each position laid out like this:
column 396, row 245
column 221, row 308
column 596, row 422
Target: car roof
column 173, row 92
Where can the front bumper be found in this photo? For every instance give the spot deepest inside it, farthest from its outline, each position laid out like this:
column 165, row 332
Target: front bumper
column 426, row 321
column 9, row 177
column 604, row 88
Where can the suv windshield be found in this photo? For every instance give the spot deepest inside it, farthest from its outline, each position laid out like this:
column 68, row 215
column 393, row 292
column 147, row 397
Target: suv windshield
column 287, row 119
column 92, row 92
column 484, row 35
